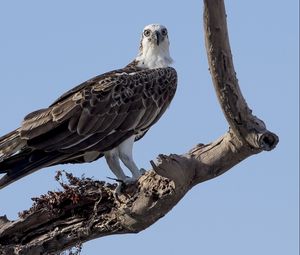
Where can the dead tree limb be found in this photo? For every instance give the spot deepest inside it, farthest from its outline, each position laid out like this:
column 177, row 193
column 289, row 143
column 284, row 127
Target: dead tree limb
column 86, row 209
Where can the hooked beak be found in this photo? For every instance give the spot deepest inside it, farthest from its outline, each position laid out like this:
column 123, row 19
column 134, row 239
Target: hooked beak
column 158, row 37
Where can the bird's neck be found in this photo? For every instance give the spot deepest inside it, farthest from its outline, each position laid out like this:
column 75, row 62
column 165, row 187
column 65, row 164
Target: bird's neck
column 154, row 57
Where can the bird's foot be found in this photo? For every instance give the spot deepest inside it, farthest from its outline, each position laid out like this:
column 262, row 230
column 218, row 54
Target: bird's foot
column 129, row 180
column 124, row 184
column 119, row 188
column 135, row 176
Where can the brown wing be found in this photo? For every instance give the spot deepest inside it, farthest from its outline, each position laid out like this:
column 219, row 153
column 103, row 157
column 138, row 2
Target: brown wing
column 99, row 115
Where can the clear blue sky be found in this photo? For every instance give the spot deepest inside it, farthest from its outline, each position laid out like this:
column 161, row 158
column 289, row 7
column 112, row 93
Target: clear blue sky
column 48, row 47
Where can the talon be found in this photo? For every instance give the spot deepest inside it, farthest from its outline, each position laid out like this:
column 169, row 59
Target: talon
column 142, row 171
column 123, row 183
column 119, row 188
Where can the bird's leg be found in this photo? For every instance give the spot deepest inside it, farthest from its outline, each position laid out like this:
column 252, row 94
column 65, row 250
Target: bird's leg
column 125, row 154
column 112, row 159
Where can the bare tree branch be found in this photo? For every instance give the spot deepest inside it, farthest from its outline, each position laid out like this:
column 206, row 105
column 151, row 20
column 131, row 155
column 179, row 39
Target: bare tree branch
column 86, row 209
column 246, row 126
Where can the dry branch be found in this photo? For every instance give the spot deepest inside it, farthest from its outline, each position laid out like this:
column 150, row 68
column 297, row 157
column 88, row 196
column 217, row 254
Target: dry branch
column 86, row 209
column 249, row 129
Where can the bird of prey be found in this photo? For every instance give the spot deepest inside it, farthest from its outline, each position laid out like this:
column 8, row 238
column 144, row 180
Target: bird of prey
column 103, row 116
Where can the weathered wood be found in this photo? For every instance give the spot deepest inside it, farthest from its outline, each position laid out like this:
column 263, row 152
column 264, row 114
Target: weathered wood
column 86, row 209
column 248, row 128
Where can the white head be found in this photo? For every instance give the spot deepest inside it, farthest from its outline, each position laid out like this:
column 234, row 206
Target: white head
column 154, row 47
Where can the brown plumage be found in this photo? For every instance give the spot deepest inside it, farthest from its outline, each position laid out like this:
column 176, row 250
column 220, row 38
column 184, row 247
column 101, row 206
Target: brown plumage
column 102, row 116
column 94, row 116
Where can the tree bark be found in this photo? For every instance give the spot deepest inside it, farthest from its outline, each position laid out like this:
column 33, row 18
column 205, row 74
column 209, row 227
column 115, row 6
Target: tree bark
column 86, row 209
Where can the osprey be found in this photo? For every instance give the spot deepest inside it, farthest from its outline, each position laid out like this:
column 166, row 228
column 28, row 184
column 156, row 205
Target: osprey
column 103, row 116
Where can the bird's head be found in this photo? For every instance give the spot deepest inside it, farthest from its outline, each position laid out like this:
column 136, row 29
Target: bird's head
column 154, row 47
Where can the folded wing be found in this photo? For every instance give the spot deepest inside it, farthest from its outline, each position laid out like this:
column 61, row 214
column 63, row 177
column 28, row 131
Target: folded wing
column 95, row 116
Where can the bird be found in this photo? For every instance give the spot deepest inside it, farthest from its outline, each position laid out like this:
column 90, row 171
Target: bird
column 101, row 117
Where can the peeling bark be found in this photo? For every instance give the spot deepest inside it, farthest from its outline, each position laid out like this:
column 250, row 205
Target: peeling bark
column 87, row 209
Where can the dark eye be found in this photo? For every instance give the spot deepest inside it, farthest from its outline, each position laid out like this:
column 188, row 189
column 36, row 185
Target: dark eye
column 147, row 32
column 164, row 32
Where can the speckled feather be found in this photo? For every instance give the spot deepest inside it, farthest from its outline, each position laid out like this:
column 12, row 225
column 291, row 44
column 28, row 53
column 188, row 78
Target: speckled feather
column 130, row 99
column 99, row 113
column 95, row 116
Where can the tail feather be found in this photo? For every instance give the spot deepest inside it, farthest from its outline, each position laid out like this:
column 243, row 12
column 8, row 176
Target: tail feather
column 18, row 160
column 10, row 144
column 25, row 163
